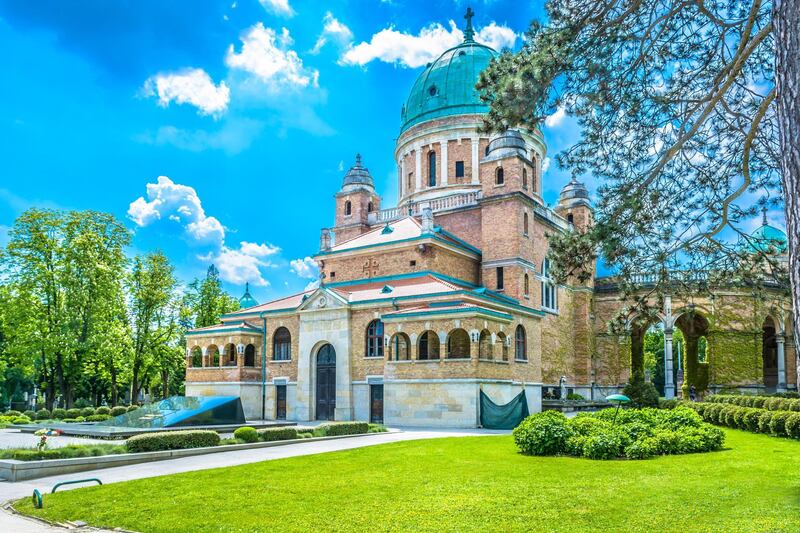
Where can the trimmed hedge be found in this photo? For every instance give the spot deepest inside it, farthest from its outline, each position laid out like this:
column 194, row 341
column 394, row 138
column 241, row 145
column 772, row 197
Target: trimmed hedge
column 343, row 428
column 87, row 411
column 118, row 410
column 73, row 413
column 771, row 403
column 59, row 414
column 781, row 423
column 102, row 411
column 97, row 418
column 280, row 433
column 132, row 408
column 172, row 440
column 42, row 414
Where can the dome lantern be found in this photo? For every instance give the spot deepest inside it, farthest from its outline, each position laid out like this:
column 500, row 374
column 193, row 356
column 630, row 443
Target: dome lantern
column 247, row 299
column 767, row 238
column 574, row 193
column 358, row 177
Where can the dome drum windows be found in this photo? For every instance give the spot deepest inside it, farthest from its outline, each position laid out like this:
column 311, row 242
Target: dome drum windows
column 431, row 169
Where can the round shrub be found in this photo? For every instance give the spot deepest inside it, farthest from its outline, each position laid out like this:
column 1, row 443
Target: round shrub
column 42, row 414
column 587, row 425
column 246, row 434
column 641, row 393
column 59, row 414
column 764, row 419
column 794, row 405
column 12, row 412
column 777, row 424
column 793, row 426
column 118, row 410
column 132, row 408
column 751, row 419
column 97, row 418
column 73, row 413
column 730, row 415
column 738, row 417
column 87, row 411
column 758, row 402
column 103, row 410
column 544, row 433
column 575, row 445
column 30, row 414
column 606, row 445
column 21, row 420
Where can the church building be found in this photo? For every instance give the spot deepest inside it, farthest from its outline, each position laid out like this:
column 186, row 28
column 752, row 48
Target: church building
column 423, row 306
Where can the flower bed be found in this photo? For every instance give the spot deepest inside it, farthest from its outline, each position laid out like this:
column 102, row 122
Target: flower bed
column 635, row 434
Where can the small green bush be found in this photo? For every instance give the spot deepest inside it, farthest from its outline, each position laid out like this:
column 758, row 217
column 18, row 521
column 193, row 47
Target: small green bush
column 132, row 408
column 172, row 440
column 59, row 414
column 87, row 411
column 641, row 449
column 777, row 424
column 12, row 413
column 377, row 428
column 305, row 435
column 118, row 410
column 543, row 433
column 73, row 413
column 42, row 414
column 641, row 393
column 758, row 402
column 608, row 445
column 668, row 404
column 574, row 397
column 246, row 433
column 793, row 426
column 279, row 433
column 21, row 420
column 103, row 410
column 98, row 418
column 764, row 419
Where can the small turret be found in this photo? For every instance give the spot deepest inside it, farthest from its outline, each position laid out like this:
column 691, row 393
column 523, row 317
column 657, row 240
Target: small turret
column 354, row 201
column 574, row 204
column 247, row 299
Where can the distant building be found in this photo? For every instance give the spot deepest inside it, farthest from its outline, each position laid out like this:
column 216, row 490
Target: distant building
column 423, row 305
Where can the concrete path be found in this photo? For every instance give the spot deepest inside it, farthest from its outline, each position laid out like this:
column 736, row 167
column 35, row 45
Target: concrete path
column 13, row 491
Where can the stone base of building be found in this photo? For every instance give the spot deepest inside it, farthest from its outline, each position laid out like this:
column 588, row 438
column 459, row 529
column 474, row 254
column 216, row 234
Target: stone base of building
column 435, row 403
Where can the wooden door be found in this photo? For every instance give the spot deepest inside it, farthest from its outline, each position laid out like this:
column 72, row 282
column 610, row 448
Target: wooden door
column 326, row 382
column 376, row 404
column 280, row 400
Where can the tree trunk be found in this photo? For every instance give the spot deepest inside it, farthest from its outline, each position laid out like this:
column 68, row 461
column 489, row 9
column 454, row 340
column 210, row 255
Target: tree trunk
column 165, row 383
column 786, row 20
column 114, row 392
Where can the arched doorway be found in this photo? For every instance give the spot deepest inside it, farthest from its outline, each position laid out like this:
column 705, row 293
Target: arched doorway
column 326, row 382
column 769, row 354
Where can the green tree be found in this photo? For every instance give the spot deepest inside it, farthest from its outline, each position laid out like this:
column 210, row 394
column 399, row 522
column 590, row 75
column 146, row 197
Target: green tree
column 207, row 300
column 153, row 315
column 689, row 115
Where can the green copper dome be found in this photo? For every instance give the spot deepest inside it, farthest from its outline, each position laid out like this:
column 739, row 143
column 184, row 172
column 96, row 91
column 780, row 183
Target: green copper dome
column 447, row 86
column 247, row 299
column 768, row 238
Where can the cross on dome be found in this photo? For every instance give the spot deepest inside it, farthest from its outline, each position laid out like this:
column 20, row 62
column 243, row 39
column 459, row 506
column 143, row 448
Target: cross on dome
column 469, row 32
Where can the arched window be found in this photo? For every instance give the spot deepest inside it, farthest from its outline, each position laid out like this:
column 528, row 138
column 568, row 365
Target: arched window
column 503, row 341
column 499, row 176
column 525, row 178
column 282, row 345
column 348, row 208
column 197, row 357
column 458, row 344
column 485, row 345
column 230, row 355
column 213, row 355
column 549, row 292
column 431, row 169
column 521, row 344
column 399, row 345
column 525, row 224
column 370, row 207
column 375, row 339
column 428, row 347
column 249, row 355
column 527, row 284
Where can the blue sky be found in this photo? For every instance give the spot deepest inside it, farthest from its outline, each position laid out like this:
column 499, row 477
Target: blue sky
column 251, row 110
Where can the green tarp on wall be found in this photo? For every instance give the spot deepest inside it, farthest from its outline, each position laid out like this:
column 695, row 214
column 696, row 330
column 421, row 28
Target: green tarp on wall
column 506, row 416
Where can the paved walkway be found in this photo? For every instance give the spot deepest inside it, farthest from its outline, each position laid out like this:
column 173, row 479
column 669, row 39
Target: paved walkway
column 12, row 438
column 13, row 491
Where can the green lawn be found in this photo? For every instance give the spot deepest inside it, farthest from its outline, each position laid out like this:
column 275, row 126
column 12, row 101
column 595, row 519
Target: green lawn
column 460, row 484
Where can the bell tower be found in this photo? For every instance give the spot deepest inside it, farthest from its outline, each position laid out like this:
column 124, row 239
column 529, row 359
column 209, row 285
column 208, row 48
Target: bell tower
column 354, row 201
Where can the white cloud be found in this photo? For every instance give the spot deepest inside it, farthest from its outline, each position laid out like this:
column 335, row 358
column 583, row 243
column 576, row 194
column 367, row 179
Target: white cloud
column 242, row 265
column 266, row 55
column 191, row 86
column 4, row 236
column 545, row 164
column 179, row 203
column 556, row 118
column 306, row 268
column 393, row 46
column 333, row 30
column 279, row 7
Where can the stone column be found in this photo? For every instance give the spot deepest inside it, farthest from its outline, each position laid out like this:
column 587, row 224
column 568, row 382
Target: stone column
column 669, row 386
column 476, row 174
column 418, row 168
column 402, row 163
column 443, row 163
column 205, row 358
column 781, row 340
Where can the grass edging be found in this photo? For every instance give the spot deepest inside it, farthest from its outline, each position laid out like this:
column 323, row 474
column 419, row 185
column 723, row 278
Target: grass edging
column 13, row 470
